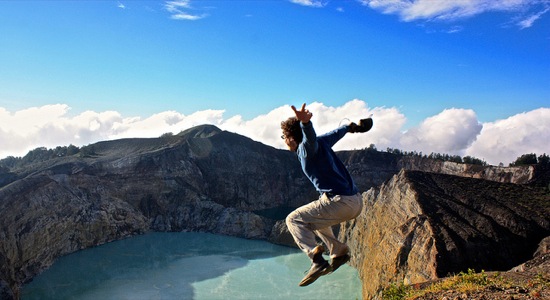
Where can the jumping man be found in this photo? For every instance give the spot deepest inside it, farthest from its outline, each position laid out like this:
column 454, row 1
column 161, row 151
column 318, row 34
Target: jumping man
column 339, row 199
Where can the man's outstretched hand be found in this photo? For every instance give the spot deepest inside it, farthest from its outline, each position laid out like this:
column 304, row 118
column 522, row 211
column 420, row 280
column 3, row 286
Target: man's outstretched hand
column 303, row 114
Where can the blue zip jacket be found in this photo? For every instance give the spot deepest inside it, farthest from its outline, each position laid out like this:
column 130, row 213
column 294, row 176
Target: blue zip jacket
column 321, row 165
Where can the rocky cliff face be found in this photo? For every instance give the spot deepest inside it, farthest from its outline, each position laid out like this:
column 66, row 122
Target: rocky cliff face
column 205, row 179
column 370, row 168
column 44, row 217
column 421, row 226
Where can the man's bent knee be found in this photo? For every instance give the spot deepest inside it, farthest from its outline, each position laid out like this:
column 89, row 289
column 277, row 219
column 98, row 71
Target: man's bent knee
column 291, row 218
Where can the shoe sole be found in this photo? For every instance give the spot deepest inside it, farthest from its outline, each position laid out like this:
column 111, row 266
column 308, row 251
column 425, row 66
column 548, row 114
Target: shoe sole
column 309, row 280
column 365, row 125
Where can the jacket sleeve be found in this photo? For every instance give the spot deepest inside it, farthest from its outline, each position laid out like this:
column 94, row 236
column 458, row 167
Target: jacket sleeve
column 334, row 136
column 309, row 139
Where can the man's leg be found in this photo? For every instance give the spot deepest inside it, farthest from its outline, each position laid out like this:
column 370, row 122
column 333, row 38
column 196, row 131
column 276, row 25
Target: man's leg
column 320, row 215
column 303, row 235
column 301, row 230
column 344, row 208
column 335, row 247
column 339, row 252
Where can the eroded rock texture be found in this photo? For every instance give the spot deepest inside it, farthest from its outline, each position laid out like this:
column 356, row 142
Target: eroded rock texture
column 420, row 226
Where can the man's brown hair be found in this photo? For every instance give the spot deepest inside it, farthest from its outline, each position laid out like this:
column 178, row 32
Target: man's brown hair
column 291, row 128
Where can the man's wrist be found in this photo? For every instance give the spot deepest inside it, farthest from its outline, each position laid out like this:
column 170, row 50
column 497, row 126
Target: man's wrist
column 308, row 124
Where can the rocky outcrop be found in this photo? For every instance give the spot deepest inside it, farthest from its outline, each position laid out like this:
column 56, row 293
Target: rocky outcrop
column 540, row 263
column 421, row 226
column 209, row 180
column 44, row 217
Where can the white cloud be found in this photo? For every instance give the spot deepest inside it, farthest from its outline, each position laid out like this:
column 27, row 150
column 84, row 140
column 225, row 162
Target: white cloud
column 311, row 3
column 174, row 6
column 453, row 131
column 179, row 10
column 455, row 29
column 388, row 123
column 267, row 128
column 48, row 126
column 528, row 22
column 505, row 140
column 410, row 10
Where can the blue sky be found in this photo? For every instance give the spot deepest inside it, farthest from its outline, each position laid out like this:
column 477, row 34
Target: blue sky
column 116, row 64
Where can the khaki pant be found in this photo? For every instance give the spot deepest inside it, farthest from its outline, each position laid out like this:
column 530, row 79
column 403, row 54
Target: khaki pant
column 317, row 217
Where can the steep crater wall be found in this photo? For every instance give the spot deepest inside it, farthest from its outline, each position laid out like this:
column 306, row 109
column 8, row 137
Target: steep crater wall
column 421, row 226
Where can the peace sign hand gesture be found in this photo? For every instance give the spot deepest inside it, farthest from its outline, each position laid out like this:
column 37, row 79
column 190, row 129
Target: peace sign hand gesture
column 303, row 114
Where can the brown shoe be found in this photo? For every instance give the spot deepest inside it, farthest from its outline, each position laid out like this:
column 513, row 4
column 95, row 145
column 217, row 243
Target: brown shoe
column 338, row 261
column 364, row 126
column 319, row 267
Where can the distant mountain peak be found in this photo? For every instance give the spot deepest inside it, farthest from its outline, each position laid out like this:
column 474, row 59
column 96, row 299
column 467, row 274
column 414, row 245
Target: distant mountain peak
column 200, row 131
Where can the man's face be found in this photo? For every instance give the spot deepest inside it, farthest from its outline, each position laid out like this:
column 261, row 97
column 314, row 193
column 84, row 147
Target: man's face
column 291, row 143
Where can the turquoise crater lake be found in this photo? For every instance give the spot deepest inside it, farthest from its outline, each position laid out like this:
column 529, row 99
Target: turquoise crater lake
column 188, row 266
